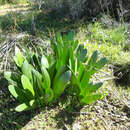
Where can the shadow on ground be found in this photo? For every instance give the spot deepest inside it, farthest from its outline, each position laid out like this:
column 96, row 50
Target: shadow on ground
column 45, row 21
column 122, row 72
column 67, row 116
column 10, row 119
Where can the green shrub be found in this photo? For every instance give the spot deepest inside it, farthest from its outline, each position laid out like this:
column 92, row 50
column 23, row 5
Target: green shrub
column 32, row 84
column 79, row 8
column 42, row 80
column 111, row 36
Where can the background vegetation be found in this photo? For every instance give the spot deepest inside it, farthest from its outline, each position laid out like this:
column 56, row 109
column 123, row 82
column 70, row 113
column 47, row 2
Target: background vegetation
column 2, row 2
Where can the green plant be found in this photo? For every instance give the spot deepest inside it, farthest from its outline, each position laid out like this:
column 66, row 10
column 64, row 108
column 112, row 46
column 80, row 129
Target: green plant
column 109, row 36
column 42, row 80
column 70, row 53
column 82, row 85
column 32, row 85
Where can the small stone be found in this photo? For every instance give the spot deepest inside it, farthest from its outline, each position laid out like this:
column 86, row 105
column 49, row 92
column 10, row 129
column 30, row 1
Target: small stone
column 76, row 126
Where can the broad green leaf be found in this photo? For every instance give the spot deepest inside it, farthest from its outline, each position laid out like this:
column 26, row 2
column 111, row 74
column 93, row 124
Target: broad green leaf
column 12, row 90
column 72, row 60
column 51, row 60
column 75, row 81
column 75, row 84
column 75, row 44
column 12, row 76
column 7, row 75
column 61, row 82
column 16, row 61
column 70, row 36
column 59, row 39
column 92, row 60
column 59, row 72
column 65, row 38
column 58, row 64
column 49, row 95
column 76, row 66
column 81, row 70
column 101, row 63
column 92, row 88
column 37, row 74
column 52, row 70
column 44, row 62
column 27, row 84
column 37, row 83
column 34, row 103
column 91, row 99
column 65, row 56
column 85, row 80
column 36, row 62
column 27, row 70
column 98, row 65
column 18, row 93
column 81, row 53
column 19, row 58
column 37, row 86
column 59, row 51
column 22, row 107
column 94, row 57
column 46, row 77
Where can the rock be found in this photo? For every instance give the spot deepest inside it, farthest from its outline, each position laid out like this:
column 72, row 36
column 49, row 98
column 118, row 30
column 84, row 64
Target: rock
column 76, row 126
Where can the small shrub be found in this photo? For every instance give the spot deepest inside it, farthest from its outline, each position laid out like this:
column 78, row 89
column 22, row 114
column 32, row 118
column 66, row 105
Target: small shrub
column 113, row 36
column 42, row 80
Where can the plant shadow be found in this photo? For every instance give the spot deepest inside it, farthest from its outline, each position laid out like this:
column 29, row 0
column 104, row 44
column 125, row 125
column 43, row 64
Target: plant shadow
column 122, row 72
column 66, row 117
column 9, row 118
column 68, row 114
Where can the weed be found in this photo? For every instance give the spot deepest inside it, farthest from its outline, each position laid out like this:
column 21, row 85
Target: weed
column 43, row 80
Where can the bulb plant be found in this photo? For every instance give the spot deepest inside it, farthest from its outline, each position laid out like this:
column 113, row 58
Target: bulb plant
column 43, row 79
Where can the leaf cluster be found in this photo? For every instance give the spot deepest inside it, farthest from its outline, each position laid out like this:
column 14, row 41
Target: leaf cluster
column 43, row 79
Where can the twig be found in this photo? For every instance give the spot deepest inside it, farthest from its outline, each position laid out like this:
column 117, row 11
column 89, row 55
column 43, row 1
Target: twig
column 106, row 79
column 103, row 72
column 118, row 97
column 83, row 113
column 103, row 119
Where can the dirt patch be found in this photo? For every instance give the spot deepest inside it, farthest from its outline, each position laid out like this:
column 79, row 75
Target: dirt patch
column 12, row 8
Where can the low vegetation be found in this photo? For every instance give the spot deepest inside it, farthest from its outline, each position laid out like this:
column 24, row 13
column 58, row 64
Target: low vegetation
column 39, row 82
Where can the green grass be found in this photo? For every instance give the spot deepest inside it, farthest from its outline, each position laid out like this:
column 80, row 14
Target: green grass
column 110, row 42
column 110, row 36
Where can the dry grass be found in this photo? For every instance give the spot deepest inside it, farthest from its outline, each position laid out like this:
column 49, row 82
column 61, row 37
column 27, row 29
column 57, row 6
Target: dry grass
column 109, row 113
column 5, row 9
